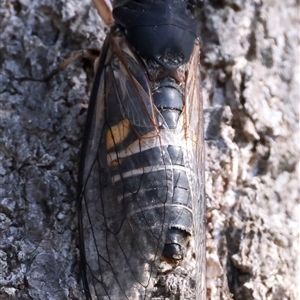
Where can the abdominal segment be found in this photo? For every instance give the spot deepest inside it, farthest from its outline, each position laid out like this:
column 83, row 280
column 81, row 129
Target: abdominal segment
column 151, row 184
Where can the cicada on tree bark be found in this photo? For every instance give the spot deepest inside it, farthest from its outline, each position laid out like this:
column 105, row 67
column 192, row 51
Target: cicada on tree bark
column 141, row 176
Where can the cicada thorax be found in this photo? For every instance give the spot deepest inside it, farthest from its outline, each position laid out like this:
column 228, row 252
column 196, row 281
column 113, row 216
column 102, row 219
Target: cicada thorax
column 151, row 173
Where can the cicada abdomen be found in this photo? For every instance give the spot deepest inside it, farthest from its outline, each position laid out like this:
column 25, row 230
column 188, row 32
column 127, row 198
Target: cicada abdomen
column 141, row 181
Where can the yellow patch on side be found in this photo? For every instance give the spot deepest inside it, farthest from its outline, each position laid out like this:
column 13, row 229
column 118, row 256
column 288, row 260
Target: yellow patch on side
column 117, row 133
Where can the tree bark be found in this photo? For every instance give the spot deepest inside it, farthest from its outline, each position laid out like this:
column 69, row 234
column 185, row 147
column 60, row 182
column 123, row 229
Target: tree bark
column 250, row 71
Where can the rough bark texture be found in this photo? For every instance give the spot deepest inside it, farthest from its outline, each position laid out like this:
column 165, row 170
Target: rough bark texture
column 251, row 95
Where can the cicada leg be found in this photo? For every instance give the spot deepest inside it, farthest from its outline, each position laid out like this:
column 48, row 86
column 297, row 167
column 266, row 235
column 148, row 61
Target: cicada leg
column 89, row 54
column 104, row 9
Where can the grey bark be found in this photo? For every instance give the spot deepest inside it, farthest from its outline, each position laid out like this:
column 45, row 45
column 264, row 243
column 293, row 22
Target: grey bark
column 250, row 88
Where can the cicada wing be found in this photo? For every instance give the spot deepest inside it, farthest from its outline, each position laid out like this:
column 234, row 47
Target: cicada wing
column 124, row 183
column 195, row 162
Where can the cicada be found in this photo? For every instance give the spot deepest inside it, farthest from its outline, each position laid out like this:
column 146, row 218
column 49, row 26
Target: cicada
column 141, row 176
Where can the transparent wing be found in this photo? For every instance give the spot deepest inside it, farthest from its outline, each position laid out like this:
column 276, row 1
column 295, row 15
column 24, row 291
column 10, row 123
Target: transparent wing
column 124, row 182
column 195, row 162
